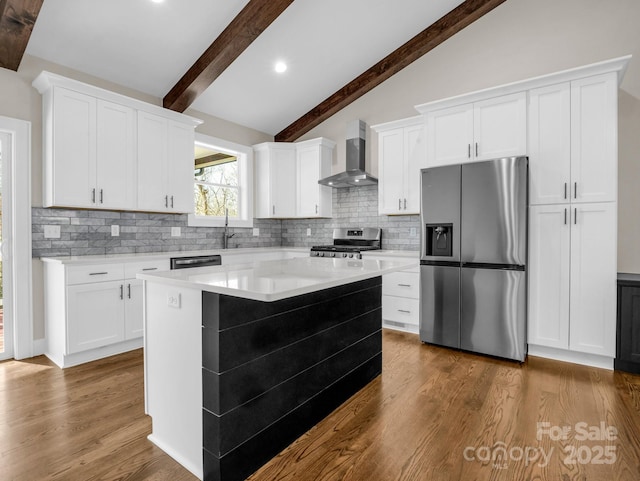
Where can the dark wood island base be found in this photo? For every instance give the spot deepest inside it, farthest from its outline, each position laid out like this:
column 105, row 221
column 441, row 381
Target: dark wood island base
column 272, row 370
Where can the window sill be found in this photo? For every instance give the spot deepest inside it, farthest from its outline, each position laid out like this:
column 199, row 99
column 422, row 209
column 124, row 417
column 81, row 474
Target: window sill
column 200, row 221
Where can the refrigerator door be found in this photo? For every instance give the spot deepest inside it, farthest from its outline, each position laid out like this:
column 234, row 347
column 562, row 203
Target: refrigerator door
column 440, row 213
column 493, row 312
column 440, row 305
column 494, row 212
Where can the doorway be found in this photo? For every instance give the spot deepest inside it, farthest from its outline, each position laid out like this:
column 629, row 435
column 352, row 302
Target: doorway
column 6, row 321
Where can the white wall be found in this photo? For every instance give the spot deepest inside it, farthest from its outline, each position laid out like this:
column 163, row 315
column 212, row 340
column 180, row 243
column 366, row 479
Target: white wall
column 518, row 40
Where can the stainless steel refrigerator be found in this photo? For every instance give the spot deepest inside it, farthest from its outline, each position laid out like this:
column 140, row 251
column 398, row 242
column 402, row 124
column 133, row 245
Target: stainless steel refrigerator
column 473, row 257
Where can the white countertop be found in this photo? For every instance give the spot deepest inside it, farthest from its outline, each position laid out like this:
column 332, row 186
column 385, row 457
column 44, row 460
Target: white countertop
column 278, row 279
column 149, row 256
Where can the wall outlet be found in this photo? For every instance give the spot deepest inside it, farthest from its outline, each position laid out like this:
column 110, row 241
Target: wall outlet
column 115, row 230
column 173, row 300
column 256, row 231
column 413, row 232
column 52, row 232
column 175, row 232
column 308, row 231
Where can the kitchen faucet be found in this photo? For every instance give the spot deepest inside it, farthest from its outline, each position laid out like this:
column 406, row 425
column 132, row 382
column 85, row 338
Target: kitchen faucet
column 226, row 236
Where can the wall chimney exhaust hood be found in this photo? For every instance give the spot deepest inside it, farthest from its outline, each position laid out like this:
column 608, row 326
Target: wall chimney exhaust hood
column 355, row 174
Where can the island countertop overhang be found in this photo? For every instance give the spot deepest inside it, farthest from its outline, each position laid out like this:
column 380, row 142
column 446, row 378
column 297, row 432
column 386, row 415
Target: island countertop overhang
column 278, row 279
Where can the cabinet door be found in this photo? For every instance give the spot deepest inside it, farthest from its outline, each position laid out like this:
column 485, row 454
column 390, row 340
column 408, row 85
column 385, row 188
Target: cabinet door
column 391, row 168
column 500, row 127
column 416, row 158
column 629, row 324
column 594, row 141
column 549, row 257
column 115, row 156
column 152, row 162
column 449, row 135
column 550, row 144
column 308, row 172
column 283, row 182
column 133, row 318
column 74, row 149
column 593, row 278
column 180, row 165
column 95, row 315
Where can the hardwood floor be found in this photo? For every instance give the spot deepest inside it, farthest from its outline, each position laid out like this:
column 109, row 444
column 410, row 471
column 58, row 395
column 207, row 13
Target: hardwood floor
column 434, row 414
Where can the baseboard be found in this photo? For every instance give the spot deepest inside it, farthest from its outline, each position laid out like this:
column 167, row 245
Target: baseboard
column 197, row 471
column 593, row 360
column 400, row 326
column 71, row 360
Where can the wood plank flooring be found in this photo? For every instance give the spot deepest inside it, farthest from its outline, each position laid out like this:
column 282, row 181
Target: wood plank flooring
column 434, row 414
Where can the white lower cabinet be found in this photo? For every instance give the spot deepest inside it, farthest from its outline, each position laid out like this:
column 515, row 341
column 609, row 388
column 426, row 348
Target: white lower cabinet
column 572, row 279
column 94, row 310
column 95, row 315
column 401, row 300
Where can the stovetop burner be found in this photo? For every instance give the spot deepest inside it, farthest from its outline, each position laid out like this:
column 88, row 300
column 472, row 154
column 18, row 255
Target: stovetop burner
column 349, row 243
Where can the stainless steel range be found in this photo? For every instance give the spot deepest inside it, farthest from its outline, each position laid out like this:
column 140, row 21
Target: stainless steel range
column 350, row 242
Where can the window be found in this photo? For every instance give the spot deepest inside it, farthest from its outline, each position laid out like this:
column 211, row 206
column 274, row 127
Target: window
column 223, row 179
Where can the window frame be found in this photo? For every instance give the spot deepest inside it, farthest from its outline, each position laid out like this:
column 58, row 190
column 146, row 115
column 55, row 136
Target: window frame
column 244, row 154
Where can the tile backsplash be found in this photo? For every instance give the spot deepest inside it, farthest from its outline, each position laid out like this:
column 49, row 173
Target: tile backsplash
column 88, row 232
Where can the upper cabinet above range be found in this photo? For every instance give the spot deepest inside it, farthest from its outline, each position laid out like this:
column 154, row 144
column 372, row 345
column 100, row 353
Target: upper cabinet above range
column 97, row 156
column 482, row 130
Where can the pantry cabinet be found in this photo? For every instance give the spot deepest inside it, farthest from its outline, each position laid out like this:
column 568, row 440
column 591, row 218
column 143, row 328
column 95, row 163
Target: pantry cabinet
column 572, row 271
column 103, row 150
column 482, row 130
column 401, row 155
column 573, row 144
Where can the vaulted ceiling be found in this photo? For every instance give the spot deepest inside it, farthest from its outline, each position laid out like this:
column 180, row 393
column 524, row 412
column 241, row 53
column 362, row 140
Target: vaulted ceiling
column 218, row 57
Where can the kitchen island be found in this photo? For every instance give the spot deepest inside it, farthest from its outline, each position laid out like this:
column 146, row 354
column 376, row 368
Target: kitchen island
column 241, row 360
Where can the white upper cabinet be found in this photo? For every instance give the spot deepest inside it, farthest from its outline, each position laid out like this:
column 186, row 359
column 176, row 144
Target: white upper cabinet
column 69, row 149
column 550, row 144
column 487, row 129
column 275, row 168
column 594, row 139
column 102, row 150
column 401, row 155
column 573, row 144
column 313, row 162
column 287, row 177
column 115, row 156
column 165, row 164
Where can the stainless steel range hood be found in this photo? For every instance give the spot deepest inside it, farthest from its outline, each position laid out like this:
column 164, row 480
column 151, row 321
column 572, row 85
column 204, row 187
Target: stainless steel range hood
column 355, row 174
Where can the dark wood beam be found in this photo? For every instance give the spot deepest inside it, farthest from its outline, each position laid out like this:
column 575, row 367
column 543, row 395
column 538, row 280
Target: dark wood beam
column 215, row 158
column 444, row 28
column 17, row 18
column 254, row 18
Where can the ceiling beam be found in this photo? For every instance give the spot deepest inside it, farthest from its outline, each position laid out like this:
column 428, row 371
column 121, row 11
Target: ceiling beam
column 444, row 28
column 254, row 18
column 17, row 18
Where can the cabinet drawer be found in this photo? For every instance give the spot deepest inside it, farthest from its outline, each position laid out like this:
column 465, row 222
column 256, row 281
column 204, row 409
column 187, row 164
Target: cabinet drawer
column 94, row 273
column 402, row 283
column 400, row 309
column 139, row 267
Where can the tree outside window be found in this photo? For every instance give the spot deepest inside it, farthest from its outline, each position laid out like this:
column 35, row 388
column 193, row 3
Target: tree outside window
column 216, row 186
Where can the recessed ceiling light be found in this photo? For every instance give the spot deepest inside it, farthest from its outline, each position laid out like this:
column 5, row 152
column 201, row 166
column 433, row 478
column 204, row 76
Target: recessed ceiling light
column 281, row 67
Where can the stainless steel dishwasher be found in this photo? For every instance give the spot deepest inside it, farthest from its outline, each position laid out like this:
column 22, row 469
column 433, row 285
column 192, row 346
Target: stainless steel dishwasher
column 195, row 261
